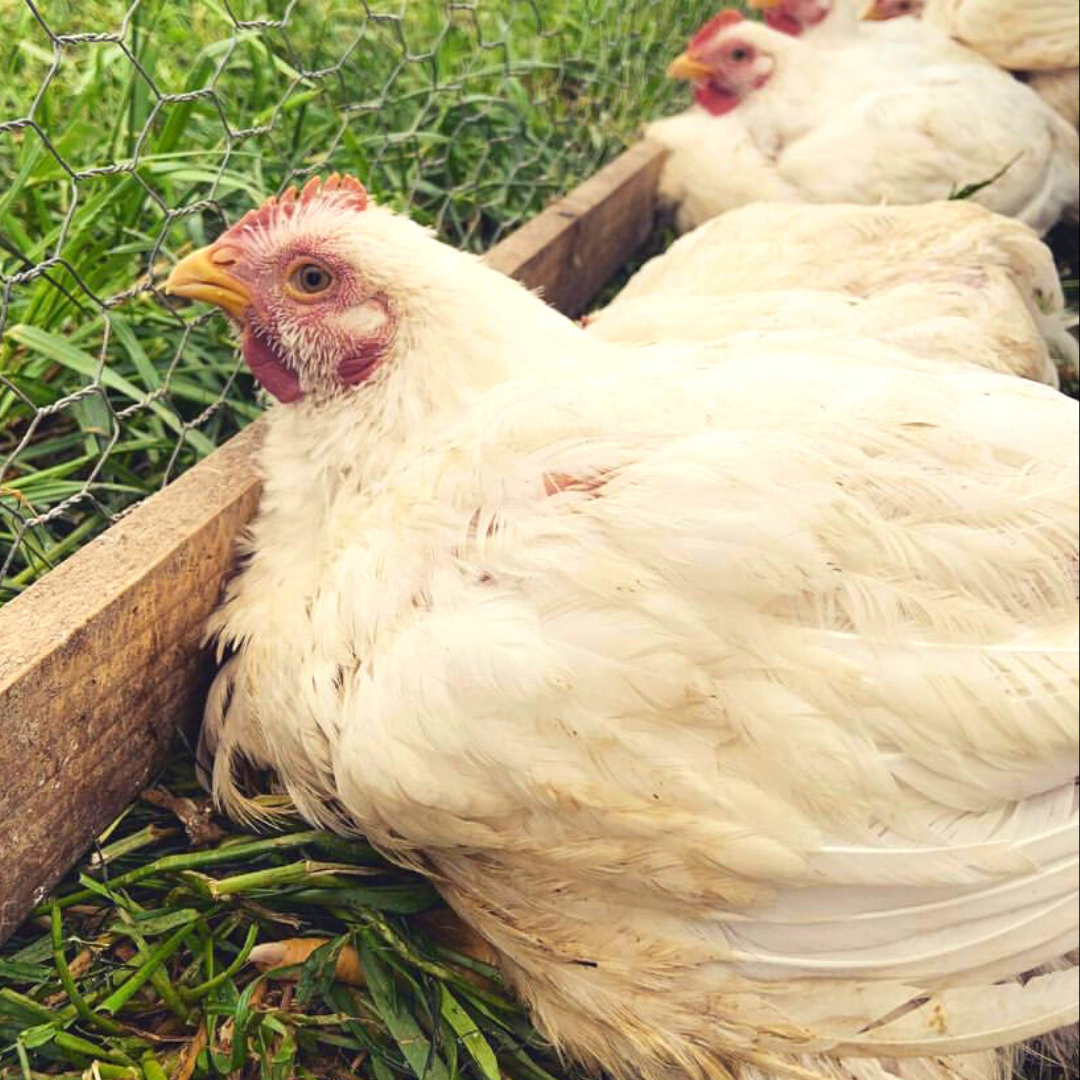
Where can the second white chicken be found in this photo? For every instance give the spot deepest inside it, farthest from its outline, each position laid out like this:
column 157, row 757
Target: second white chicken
column 950, row 281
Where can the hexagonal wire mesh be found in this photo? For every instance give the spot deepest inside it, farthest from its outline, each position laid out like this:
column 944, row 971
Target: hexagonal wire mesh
column 132, row 130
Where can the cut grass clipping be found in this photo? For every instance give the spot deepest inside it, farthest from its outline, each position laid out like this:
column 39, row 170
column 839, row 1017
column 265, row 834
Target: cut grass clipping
column 138, row 966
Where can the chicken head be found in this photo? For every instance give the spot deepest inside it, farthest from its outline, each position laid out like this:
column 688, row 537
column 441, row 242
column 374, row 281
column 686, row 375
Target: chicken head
column 723, row 63
column 312, row 323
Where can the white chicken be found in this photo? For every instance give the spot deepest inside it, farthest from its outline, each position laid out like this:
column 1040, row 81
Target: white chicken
column 730, row 694
column 832, row 128
column 1038, row 37
column 717, row 163
column 950, row 280
column 714, row 162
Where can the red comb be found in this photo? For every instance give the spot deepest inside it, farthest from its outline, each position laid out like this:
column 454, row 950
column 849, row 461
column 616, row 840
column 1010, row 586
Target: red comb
column 727, row 17
column 345, row 191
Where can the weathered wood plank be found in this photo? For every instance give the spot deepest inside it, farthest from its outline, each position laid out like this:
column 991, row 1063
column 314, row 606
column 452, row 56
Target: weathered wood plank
column 101, row 659
column 573, row 249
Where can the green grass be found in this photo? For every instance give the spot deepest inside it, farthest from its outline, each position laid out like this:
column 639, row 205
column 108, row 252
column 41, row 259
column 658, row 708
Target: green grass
column 116, row 156
column 138, row 964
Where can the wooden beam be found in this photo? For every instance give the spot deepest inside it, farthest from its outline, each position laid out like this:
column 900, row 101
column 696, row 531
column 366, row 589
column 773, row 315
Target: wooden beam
column 100, row 661
column 574, row 248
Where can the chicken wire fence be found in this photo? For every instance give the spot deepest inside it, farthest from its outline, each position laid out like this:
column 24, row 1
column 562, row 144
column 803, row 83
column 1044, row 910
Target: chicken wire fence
column 134, row 130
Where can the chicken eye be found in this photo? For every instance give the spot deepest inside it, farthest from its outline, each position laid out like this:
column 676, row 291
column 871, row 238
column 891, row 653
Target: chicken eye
column 309, row 279
column 739, row 55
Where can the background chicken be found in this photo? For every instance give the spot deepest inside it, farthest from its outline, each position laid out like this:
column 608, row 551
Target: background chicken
column 950, row 280
column 840, row 23
column 729, row 693
column 1038, row 38
column 839, row 129
column 715, row 162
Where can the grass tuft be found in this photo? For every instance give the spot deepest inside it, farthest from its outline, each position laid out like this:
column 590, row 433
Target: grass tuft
column 137, row 967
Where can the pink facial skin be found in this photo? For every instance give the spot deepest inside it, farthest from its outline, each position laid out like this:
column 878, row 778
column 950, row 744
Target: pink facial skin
column 736, row 73
column 369, row 350
column 895, row 9
column 784, row 23
column 332, row 355
column 297, row 338
column 794, row 17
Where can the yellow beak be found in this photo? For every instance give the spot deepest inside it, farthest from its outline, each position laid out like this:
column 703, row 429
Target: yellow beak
column 873, row 14
column 202, row 275
column 686, row 67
